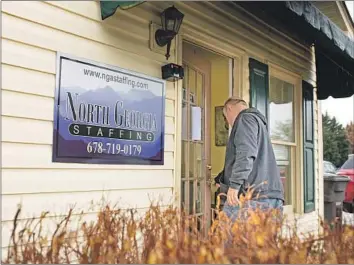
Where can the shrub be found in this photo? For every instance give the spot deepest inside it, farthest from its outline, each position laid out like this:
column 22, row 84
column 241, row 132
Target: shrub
column 169, row 236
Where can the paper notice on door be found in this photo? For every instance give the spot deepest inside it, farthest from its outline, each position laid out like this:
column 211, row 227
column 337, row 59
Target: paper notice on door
column 196, row 123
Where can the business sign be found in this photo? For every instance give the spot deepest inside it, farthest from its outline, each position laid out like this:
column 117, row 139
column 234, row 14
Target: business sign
column 107, row 115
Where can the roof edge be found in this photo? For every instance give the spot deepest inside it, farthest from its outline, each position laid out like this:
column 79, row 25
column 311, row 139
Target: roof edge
column 347, row 18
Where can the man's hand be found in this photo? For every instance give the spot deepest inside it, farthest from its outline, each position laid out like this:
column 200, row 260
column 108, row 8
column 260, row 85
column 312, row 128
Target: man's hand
column 232, row 198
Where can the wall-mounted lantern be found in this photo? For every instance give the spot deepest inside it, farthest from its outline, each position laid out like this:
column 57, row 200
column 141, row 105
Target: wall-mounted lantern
column 171, row 20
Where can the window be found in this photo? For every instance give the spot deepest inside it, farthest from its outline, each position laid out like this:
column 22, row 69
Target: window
column 283, row 157
column 281, row 110
column 277, row 94
column 282, row 128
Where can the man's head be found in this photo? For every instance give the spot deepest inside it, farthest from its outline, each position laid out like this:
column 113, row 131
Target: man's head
column 232, row 108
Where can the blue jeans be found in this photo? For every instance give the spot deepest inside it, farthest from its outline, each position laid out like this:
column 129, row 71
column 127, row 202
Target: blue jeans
column 233, row 212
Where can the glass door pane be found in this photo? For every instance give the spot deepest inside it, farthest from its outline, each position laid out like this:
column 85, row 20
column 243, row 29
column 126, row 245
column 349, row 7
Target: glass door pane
column 200, row 193
column 193, row 149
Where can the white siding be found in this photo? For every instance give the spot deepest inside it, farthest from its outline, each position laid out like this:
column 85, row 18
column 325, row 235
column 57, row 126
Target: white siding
column 32, row 33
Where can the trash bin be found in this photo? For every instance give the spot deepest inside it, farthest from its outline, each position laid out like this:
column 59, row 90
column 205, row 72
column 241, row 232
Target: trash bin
column 334, row 192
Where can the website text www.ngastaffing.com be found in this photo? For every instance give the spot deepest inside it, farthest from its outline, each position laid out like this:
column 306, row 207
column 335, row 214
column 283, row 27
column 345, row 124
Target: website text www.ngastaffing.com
column 122, row 79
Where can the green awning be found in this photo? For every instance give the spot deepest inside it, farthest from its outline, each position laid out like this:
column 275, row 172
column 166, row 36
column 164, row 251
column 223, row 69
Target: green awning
column 108, row 8
column 334, row 49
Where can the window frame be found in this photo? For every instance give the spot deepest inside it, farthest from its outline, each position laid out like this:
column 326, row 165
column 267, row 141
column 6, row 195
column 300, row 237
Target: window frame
column 296, row 147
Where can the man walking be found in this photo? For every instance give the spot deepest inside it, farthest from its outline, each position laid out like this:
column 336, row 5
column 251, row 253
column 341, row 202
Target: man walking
column 249, row 161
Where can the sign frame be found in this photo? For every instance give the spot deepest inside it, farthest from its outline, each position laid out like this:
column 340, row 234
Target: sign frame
column 116, row 159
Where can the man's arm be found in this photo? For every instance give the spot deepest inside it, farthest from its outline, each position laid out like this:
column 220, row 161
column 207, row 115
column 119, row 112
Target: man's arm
column 246, row 150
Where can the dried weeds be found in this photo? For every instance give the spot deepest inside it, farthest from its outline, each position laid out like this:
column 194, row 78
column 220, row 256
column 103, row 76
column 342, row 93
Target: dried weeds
column 169, row 236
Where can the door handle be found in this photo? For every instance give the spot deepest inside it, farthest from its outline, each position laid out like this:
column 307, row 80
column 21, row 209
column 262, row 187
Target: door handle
column 209, row 167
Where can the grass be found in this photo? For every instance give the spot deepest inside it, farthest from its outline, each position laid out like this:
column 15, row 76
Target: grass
column 169, row 236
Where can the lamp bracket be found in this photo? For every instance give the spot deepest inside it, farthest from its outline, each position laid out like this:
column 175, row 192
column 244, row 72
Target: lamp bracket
column 163, row 37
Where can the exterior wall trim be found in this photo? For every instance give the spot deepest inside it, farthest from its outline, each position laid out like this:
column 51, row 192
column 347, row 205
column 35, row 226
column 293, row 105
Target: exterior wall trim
column 233, row 33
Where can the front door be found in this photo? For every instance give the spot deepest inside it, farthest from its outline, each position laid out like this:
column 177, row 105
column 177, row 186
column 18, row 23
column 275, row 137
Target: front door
column 196, row 169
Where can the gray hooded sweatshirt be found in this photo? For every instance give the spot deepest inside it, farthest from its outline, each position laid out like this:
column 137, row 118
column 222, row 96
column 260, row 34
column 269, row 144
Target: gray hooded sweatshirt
column 250, row 159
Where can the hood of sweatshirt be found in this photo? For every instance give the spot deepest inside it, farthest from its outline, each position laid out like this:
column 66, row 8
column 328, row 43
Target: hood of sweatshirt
column 257, row 113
